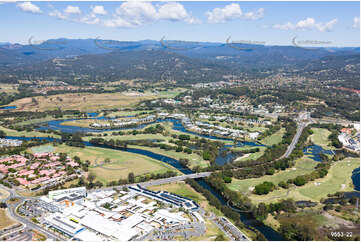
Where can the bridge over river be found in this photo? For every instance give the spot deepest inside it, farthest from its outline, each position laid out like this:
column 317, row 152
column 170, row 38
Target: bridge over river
column 160, row 181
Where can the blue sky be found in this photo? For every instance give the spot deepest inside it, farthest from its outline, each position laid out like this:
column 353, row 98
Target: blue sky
column 272, row 23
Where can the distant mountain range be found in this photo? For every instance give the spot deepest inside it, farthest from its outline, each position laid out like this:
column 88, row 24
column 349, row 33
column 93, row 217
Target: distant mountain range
column 184, row 61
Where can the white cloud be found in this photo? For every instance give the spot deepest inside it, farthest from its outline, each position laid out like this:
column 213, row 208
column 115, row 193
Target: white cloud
column 307, row 24
column 99, row 10
column 287, row 26
column 117, row 22
column 231, row 12
column 132, row 14
column 128, row 14
column 175, row 12
column 255, row 15
column 356, row 23
column 29, row 7
column 72, row 10
column 326, row 27
column 135, row 13
column 57, row 14
column 89, row 19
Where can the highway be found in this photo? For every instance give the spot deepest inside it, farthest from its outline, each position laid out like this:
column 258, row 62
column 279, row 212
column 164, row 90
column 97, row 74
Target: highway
column 302, row 121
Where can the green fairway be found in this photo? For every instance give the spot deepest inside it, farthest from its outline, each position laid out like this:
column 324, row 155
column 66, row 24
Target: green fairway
column 249, row 156
column 275, row 138
column 194, row 159
column 338, row 179
column 130, row 137
column 303, row 166
column 11, row 132
column 320, row 137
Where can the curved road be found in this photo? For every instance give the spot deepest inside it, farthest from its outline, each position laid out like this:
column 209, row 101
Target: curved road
column 22, row 220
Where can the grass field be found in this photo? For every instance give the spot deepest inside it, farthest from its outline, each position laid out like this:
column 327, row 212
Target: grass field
column 129, row 137
column 211, row 233
column 338, row 179
column 121, row 163
column 320, row 137
column 11, row 132
column 8, row 88
column 84, row 123
column 179, row 188
column 249, row 156
column 40, row 120
column 127, row 113
column 80, row 101
column 194, row 159
column 275, row 138
column 42, row 149
column 303, row 166
column 5, row 221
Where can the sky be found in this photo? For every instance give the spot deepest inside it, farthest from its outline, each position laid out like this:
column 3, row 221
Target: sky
column 271, row 23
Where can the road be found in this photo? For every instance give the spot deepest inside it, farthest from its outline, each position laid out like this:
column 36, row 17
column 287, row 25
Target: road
column 159, row 181
column 27, row 223
column 302, row 120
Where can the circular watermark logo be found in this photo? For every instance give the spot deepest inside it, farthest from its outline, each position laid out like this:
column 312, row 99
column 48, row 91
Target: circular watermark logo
column 309, row 44
column 167, row 76
column 115, row 44
column 177, row 45
column 237, row 44
column 47, row 45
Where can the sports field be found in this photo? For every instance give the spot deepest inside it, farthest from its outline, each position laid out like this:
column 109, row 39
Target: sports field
column 43, row 149
column 338, row 179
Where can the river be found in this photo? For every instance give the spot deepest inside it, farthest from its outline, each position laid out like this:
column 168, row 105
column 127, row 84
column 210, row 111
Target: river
column 176, row 125
column 267, row 231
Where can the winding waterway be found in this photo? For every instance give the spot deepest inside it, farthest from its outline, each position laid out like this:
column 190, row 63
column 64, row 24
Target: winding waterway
column 246, row 218
column 314, row 151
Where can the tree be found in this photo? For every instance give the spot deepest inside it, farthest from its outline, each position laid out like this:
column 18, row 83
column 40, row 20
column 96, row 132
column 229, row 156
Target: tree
column 220, row 237
column 270, row 171
column 299, row 181
column 131, row 177
column 91, row 177
column 227, row 179
column 264, row 188
column 261, row 212
column 295, row 232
